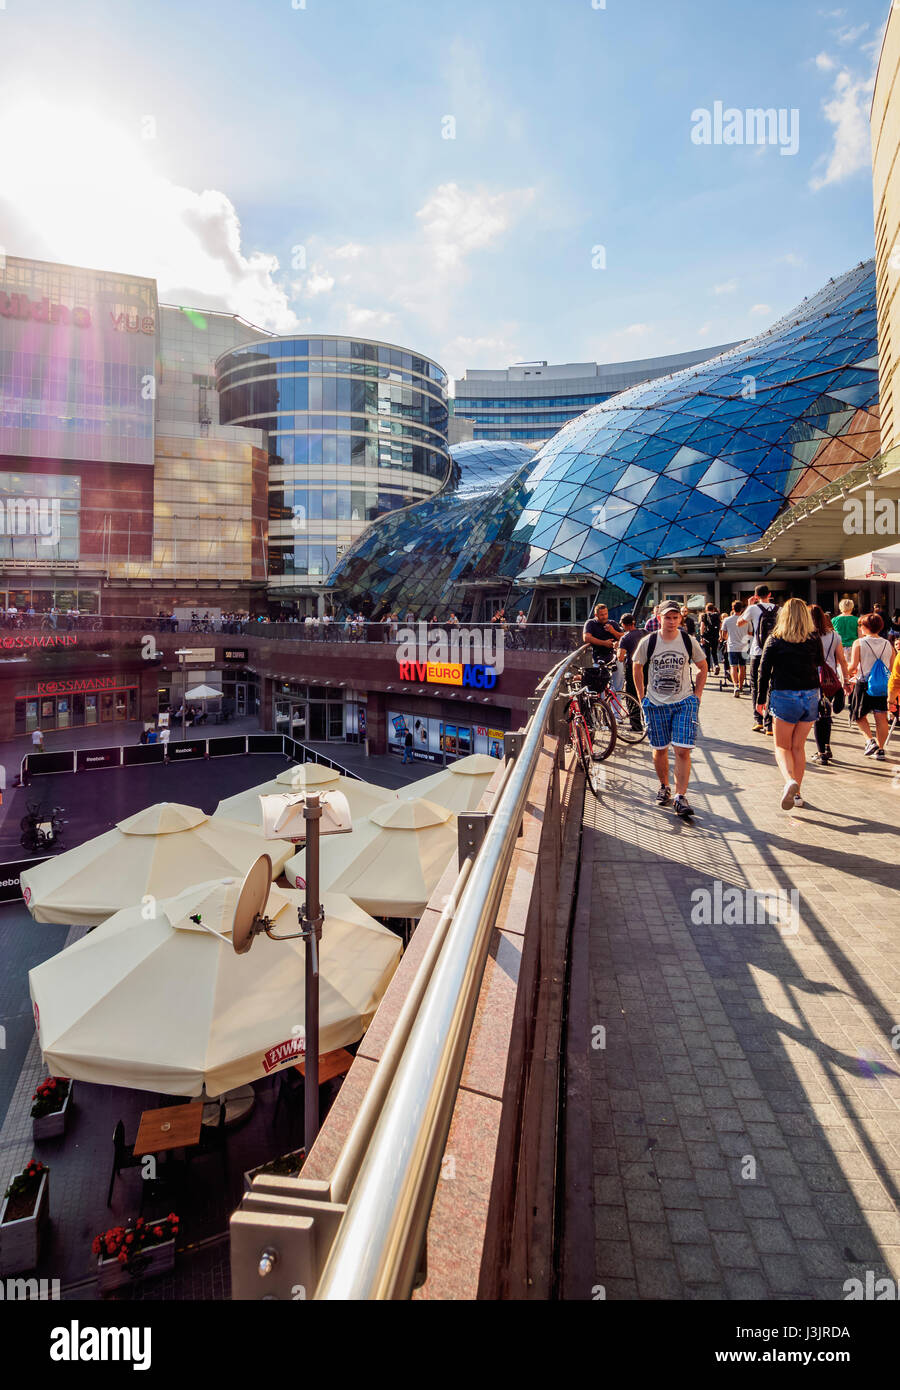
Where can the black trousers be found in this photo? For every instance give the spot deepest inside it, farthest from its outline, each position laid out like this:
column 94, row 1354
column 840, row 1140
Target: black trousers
column 630, row 690
column 754, row 686
column 822, row 728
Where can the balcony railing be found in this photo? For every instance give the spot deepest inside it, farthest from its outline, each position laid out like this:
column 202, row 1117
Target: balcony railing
column 552, row 637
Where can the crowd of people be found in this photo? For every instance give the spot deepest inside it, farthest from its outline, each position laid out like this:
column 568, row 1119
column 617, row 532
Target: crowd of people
column 800, row 666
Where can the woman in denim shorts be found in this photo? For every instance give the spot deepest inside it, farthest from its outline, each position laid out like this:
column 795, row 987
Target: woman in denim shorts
column 789, row 679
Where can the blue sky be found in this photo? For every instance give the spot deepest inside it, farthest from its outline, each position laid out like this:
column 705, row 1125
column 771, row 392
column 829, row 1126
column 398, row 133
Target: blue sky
column 291, row 164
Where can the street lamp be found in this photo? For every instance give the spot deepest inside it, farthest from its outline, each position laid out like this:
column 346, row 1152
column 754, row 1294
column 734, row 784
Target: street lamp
column 183, row 653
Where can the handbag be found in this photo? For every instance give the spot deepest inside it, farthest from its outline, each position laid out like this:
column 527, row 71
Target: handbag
column 829, row 680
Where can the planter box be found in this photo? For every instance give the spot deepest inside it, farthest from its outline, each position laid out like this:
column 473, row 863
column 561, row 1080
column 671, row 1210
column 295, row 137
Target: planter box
column 53, row 1125
column 251, row 1173
column 111, row 1275
column 20, row 1241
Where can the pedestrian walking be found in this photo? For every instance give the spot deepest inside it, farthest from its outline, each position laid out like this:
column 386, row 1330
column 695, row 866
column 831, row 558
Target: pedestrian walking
column 761, row 615
column 788, row 679
column 652, row 624
column 688, row 624
column 871, row 660
column 662, row 677
column 845, row 624
column 736, row 629
column 628, row 644
column 37, row 741
column 710, row 625
column 407, row 747
column 834, row 683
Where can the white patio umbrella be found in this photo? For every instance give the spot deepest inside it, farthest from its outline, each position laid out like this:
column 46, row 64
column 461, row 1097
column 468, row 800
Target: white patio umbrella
column 390, row 863
column 204, row 693
column 362, row 797
column 458, row 787
column 157, row 852
column 161, row 1005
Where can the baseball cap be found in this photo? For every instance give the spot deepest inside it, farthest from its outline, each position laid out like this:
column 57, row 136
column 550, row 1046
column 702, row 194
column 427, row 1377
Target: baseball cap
column 670, row 607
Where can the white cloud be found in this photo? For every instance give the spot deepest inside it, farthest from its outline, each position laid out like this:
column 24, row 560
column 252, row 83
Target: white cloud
column 637, row 330
column 791, row 258
column 849, row 35
column 704, row 330
column 319, row 282
column 411, row 286
column 79, row 190
column 727, row 287
column 456, row 221
column 825, row 62
column 498, row 350
column 760, row 309
column 847, row 112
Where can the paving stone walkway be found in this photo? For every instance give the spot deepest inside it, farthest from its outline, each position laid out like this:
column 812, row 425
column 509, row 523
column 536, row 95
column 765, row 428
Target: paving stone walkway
column 741, row 1115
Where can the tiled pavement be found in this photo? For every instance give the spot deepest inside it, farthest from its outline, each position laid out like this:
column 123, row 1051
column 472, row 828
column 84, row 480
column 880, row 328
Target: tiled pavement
column 745, row 1109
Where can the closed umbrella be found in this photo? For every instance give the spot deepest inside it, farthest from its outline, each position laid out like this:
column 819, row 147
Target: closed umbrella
column 458, row 787
column 157, row 853
column 160, row 1005
column 362, row 797
column 390, row 864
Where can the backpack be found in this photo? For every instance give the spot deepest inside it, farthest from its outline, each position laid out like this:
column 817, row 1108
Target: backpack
column 879, row 676
column 766, row 625
column 651, row 648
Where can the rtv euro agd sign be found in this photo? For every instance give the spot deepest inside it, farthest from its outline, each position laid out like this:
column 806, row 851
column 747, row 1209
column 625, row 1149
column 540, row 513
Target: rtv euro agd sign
column 466, row 656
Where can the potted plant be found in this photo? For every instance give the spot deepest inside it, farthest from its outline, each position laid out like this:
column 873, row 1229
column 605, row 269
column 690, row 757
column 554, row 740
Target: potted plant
column 50, row 1107
column 287, row 1166
column 139, row 1249
column 24, row 1217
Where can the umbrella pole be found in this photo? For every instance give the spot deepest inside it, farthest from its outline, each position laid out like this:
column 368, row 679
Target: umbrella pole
column 311, row 917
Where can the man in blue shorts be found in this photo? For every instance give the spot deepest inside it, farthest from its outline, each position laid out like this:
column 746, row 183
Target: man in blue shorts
column 662, row 668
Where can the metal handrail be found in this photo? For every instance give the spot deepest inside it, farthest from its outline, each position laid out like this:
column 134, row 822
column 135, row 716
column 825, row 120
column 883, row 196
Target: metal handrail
column 376, row 1250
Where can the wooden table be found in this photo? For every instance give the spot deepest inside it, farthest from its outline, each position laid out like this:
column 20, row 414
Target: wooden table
column 331, row 1064
column 183, row 1130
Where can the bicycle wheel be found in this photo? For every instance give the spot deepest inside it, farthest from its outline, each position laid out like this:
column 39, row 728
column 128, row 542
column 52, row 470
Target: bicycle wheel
column 602, row 728
column 627, row 712
column 584, row 748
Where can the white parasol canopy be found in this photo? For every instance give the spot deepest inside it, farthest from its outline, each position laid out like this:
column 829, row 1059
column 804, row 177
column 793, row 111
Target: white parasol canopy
column 157, row 853
column 458, row 787
column 390, row 864
column 203, row 692
column 362, row 797
column 161, row 1005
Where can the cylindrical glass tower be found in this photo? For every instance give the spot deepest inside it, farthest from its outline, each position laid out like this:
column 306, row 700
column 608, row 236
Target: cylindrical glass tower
column 356, row 429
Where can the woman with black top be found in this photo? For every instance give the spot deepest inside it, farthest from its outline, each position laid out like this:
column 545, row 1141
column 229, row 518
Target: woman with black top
column 710, row 623
column 834, row 657
column 789, row 680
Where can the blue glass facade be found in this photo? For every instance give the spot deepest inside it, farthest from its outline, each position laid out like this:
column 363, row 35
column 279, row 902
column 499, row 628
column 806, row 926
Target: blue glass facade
column 356, row 429
column 701, row 460
column 691, row 464
column 416, row 558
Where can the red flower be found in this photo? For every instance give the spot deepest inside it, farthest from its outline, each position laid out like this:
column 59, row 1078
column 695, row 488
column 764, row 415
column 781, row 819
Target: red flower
column 95, row 1245
column 139, row 1223
column 172, row 1217
column 129, row 1239
column 123, row 1258
column 157, row 1231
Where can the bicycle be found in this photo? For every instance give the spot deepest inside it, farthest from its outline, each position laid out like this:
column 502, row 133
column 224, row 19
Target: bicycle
column 625, row 710
column 591, row 729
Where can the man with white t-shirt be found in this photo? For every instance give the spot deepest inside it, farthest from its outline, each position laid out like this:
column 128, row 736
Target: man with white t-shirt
column 761, row 617
column 661, row 666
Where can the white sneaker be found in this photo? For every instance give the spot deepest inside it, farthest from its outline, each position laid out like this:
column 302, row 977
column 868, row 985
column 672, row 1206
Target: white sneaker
column 799, row 802
column 870, row 747
column 791, row 789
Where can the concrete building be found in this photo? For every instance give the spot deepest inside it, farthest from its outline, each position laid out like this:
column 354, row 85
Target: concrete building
column 527, row 403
